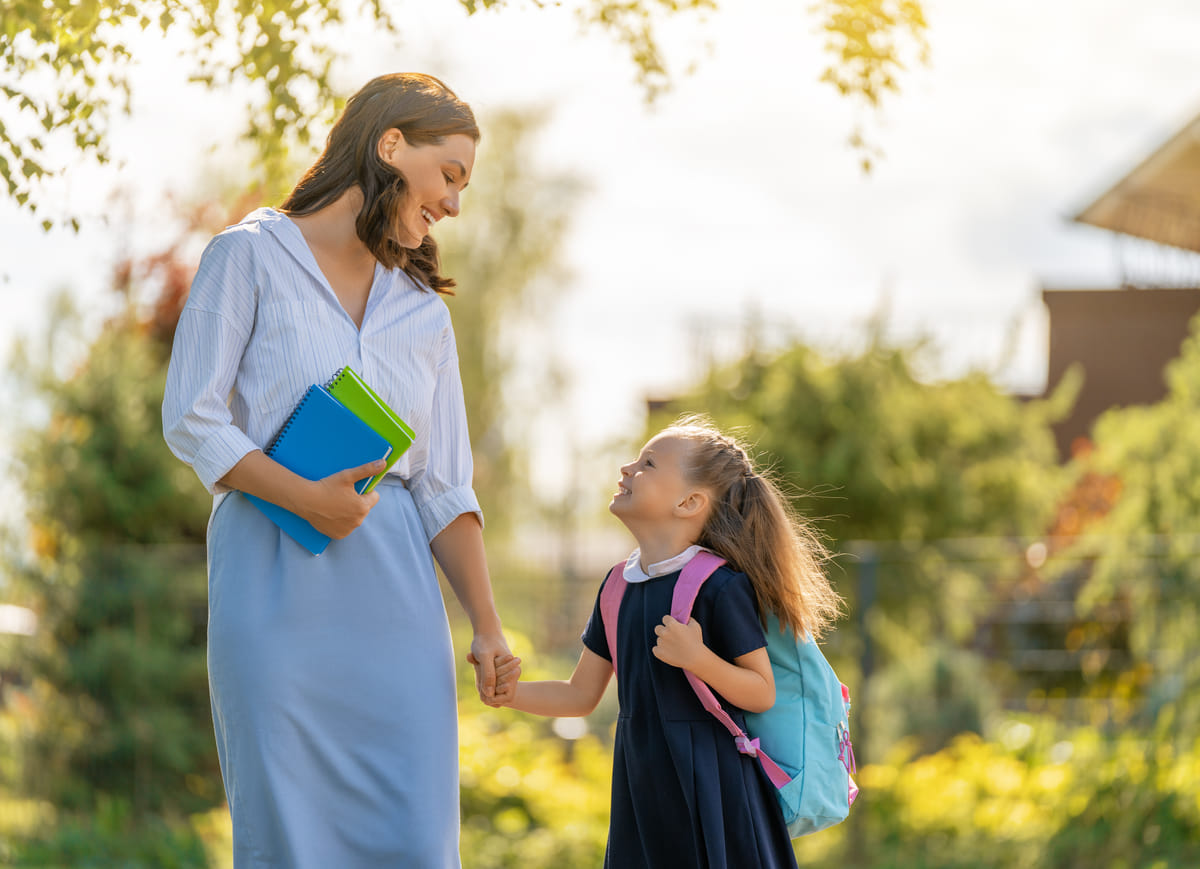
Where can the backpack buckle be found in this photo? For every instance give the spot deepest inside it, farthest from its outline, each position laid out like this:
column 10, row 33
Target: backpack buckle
column 846, row 749
column 746, row 745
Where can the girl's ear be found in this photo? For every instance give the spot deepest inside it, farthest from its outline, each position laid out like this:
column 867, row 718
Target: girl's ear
column 390, row 143
column 693, row 505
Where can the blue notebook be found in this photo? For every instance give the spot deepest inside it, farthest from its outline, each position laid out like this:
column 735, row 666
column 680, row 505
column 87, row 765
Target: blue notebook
column 321, row 437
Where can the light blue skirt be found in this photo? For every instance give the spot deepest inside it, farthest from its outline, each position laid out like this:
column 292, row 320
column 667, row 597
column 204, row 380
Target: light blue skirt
column 333, row 695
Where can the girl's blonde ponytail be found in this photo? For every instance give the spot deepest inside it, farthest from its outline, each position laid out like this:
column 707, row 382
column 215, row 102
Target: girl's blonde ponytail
column 752, row 526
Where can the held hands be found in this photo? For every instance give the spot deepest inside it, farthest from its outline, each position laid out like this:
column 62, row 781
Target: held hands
column 334, row 507
column 508, row 673
column 678, row 644
column 496, row 670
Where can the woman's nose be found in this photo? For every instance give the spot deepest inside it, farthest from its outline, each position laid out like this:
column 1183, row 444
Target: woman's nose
column 450, row 203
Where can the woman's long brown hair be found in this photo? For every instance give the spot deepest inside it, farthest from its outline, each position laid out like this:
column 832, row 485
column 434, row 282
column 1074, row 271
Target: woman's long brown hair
column 426, row 112
column 752, row 526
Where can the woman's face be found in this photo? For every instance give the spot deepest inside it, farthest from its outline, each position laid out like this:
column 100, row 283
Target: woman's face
column 435, row 174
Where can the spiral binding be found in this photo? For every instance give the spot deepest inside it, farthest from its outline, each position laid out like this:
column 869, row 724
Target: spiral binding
column 337, row 376
column 270, row 450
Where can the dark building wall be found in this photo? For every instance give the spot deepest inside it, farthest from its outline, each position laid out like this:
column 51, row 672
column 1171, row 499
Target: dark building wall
column 1123, row 339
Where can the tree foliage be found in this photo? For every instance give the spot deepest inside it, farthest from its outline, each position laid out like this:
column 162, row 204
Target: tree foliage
column 887, row 455
column 868, row 41
column 116, row 575
column 66, row 63
column 1038, row 797
column 1145, row 548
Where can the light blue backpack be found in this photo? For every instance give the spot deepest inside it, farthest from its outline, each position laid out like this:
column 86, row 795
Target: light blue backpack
column 803, row 741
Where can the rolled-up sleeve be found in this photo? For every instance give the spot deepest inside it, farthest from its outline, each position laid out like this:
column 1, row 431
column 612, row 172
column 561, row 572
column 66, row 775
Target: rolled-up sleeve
column 213, row 330
column 442, row 491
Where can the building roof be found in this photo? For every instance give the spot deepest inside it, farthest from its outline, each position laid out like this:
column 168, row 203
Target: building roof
column 1160, row 199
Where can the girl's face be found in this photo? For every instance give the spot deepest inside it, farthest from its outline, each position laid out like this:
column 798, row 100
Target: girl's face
column 653, row 485
column 435, row 174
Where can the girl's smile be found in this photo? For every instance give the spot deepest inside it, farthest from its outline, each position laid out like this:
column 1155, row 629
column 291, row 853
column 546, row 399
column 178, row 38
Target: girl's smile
column 653, row 485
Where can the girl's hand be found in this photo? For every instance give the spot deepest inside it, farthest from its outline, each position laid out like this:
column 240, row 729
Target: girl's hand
column 508, row 674
column 678, row 644
column 334, row 507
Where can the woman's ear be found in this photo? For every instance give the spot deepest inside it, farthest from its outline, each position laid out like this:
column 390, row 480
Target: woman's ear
column 390, row 144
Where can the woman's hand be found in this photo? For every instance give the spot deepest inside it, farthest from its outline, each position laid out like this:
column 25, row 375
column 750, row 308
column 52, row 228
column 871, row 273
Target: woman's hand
column 334, row 507
column 486, row 650
column 678, row 644
column 508, row 673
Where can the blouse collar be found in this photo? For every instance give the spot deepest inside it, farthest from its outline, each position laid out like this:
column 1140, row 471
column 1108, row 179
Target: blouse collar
column 633, row 569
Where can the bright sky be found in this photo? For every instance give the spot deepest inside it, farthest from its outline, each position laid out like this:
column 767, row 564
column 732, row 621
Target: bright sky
column 738, row 194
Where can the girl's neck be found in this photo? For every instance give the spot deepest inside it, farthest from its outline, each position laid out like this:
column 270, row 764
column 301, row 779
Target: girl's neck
column 659, row 547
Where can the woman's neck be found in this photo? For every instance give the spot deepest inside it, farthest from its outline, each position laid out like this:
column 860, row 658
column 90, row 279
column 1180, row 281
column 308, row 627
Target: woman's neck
column 333, row 228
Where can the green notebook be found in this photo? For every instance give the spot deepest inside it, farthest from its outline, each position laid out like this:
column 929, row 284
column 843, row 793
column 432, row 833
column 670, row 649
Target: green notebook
column 352, row 391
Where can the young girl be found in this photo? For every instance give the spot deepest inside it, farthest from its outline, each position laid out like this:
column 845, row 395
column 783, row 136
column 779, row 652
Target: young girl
column 683, row 796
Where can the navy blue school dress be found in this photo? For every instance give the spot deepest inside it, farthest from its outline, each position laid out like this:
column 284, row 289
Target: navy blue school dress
column 683, row 797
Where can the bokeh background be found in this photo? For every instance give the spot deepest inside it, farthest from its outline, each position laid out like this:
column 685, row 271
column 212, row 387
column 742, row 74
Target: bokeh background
column 937, row 261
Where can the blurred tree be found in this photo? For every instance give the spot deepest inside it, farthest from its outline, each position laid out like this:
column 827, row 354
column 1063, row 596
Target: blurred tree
column 117, row 664
column 1146, row 546
column 505, row 257
column 66, row 63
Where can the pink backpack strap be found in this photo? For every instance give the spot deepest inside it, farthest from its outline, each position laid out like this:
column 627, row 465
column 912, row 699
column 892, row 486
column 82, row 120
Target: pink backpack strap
column 610, row 606
column 687, row 587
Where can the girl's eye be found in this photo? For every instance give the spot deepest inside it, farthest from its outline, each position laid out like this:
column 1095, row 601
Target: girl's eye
column 449, row 180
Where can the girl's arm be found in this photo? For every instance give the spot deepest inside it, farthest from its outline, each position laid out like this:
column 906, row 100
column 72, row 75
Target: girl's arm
column 747, row 683
column 573, row 698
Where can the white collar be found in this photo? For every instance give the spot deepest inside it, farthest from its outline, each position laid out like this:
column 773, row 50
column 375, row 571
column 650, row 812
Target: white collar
column 288, row 234
column 633, row 569
column 281, row 225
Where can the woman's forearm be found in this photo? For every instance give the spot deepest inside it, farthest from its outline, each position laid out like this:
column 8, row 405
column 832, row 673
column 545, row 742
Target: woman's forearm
column 459, row 550
column 331, row 505
column 259, row 475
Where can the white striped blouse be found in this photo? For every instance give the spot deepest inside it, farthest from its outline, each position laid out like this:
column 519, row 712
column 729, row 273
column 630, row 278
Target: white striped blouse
column 262, row 324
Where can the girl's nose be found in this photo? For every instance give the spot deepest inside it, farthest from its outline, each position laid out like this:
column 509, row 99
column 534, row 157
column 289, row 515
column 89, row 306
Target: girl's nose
column 625, row 469
column 450, row 203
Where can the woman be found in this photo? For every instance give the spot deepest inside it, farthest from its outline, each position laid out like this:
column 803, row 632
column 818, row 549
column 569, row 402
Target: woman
column 332, row 677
